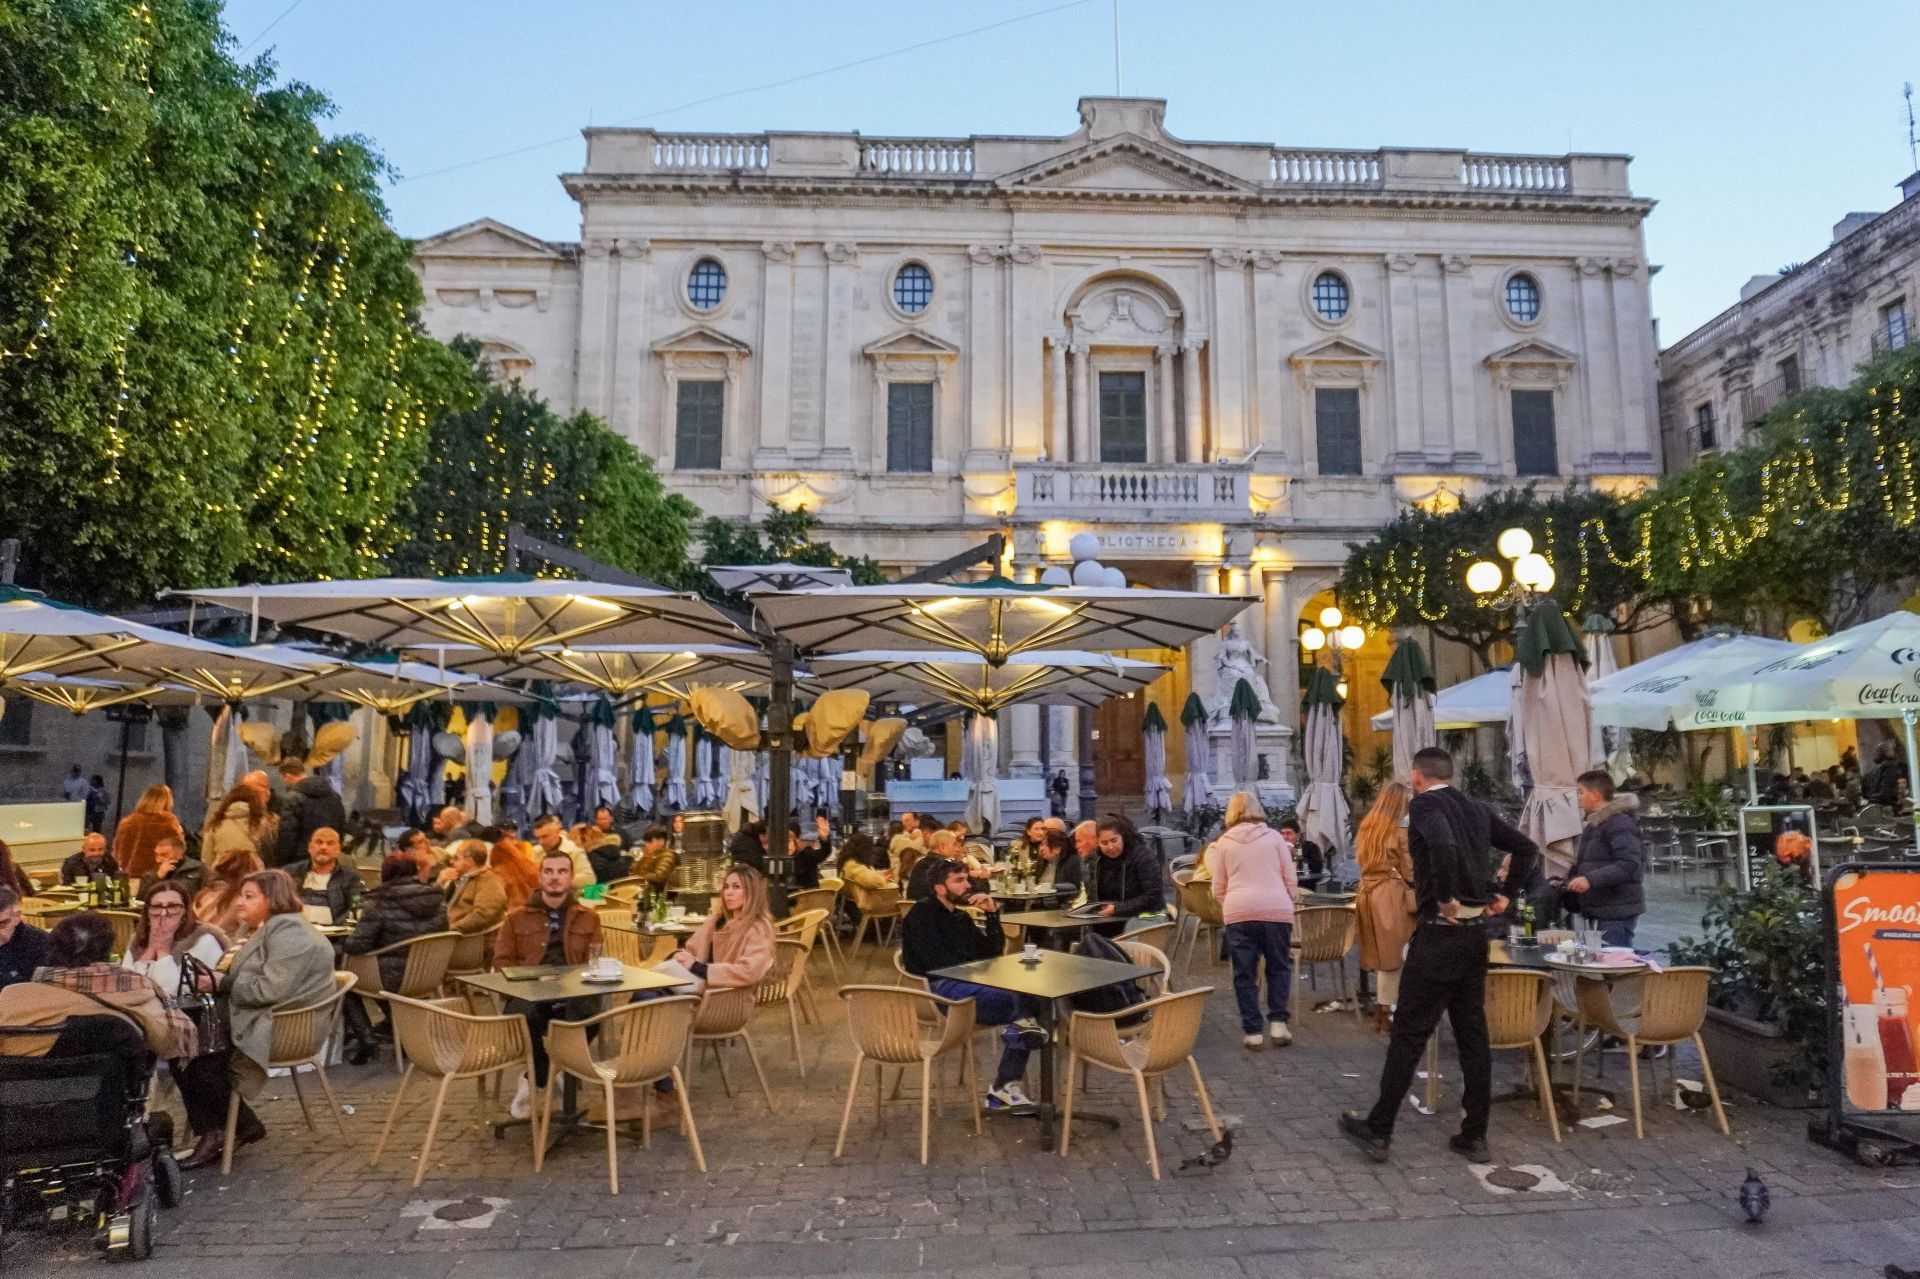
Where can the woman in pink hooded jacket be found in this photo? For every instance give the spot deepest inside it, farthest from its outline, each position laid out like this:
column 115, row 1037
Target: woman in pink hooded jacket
column 1254, row 882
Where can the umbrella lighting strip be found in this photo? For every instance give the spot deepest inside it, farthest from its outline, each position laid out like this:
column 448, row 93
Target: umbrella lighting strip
column 18, row 655
column 79, row 698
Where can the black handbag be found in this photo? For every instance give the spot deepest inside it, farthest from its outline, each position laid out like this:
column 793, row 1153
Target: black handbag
column 206, row 1009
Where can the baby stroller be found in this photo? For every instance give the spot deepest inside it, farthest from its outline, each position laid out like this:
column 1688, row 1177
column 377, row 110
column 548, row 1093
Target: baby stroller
column 77, row 1148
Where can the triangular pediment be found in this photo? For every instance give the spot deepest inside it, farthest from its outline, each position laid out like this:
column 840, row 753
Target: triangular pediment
column 911, row 344
column 486, row 238
column 1124, row 163
column 700, row 340
column 1532, row 351
column 1336, row 350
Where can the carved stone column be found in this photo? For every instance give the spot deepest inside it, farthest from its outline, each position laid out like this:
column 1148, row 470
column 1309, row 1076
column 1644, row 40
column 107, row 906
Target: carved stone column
column 1085, row 427
column 1054, row 441
column 1168, row 436
column 593, row 380
column 1196, row 432
column 837, row 421
column 776, row 355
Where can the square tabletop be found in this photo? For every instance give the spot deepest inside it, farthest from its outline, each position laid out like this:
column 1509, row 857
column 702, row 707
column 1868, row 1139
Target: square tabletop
column 1056, row 976
column 677, row 927
column 556, row 984
column 1055, row 919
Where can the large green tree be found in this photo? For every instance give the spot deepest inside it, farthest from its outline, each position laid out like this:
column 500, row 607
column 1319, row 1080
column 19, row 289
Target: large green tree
column 208, row 363
column 499, row 456
column 1413, row 572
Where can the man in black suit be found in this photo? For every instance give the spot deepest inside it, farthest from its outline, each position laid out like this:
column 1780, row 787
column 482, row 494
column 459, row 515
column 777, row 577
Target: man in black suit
column 1455, row 842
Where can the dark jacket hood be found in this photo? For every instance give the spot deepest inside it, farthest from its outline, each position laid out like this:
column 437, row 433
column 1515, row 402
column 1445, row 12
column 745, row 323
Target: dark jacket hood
column 411, row 897
column 313, row 786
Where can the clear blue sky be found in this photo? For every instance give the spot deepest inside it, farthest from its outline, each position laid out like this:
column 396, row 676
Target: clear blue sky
column 1755, row 124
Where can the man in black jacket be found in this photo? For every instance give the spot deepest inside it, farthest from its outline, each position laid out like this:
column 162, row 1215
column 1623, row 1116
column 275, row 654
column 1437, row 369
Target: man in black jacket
column 937, row 934
column 1604, row 885
column 309, row 804
column 1455, row 842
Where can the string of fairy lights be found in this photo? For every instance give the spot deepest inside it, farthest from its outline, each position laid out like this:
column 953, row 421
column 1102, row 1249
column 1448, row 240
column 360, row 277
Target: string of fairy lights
column 1704, row 518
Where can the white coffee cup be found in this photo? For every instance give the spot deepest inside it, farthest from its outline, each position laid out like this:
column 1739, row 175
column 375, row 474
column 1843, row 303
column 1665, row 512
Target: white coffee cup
column 676, row 912
column 609, row 966
column 1030, row 953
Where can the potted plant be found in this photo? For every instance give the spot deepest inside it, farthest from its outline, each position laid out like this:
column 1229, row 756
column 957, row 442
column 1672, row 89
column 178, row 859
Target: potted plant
column 1766, row 1027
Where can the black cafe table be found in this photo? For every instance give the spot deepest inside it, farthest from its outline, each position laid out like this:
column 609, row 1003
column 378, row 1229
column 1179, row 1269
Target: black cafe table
column 1056, row 976
column 558, row 986
column 1031, row 896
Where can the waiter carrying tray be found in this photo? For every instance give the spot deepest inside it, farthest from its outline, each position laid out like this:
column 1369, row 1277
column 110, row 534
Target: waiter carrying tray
column 1455, row 841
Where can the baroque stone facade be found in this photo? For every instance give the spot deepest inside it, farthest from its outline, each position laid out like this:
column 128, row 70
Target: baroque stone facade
column 1813, row 325
column 1226, row 359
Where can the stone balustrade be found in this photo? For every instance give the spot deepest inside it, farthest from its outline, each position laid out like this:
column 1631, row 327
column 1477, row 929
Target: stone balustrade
column 946, row 157
column 1297, row 167
column 711, row 153
column 1116, row 491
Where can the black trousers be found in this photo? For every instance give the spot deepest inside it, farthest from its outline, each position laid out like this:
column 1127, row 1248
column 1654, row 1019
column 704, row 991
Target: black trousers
column 205, row 1085
column 1445, row 972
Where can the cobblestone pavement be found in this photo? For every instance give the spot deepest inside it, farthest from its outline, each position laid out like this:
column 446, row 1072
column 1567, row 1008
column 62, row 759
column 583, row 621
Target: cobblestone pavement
column 1294, row 1199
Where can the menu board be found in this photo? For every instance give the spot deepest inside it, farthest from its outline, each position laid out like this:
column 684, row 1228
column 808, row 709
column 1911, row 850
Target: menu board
column 1876, row 922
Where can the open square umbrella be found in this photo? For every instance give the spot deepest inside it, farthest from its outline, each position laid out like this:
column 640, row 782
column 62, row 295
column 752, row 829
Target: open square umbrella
column 969, row 680
column 997, row 619
column 1409, row 683
column 624, row 672
column 1555, row 731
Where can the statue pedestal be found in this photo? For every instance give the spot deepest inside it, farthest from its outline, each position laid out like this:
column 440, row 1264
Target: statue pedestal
column 1274, row 744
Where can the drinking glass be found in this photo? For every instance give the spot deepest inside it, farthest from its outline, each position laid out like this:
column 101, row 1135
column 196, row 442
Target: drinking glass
column 594, row 950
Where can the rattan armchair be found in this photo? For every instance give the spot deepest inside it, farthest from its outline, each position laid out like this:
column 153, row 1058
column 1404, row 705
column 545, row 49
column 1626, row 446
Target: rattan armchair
column 822, row 899
column 1149, row 957
column 1519, row 1004
column 1324, row 935
column 782, row 986
column 879, row 907
column 428, row 958
column 297, row 1037
column 1653, row 1009
column 806, row 926
column 637, row 949
column 124, row 923
column 473, row 953
column 1199, row 906
column 442, row 1042
column 722, row 1019
column 1161, row 1045
column 893, row 1026
column 1162, row 937
column 636, row 1044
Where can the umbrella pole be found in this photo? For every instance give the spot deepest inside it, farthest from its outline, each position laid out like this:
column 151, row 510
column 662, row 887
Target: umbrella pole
column 1913, row 772
column 780, row 771
column 1753, row 785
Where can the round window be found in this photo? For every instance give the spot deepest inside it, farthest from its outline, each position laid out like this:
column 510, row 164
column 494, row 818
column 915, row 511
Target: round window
column 706, row 284
column 1330, row 297
column 913, row 288
column 1523, row 298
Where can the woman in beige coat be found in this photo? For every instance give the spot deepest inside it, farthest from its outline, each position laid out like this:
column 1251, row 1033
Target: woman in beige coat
column 1385, row 904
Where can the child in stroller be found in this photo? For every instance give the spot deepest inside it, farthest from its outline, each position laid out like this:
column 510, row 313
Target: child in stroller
column 77, row 1146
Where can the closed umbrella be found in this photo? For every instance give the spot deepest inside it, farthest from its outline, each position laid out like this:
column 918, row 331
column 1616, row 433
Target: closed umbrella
column 1609, row 744
column 640, row 761
column 603, row 759
column 983, row 774
column 1323, row 807
column 1153, row 748
column 704, row 766
column 1197, row 791
column 479, row 806
column 673, row 794
column 1556, row 732
column 742, row 798
column 1243, row 711
column 544, row 791
column 1484, row 699
column 1409, row 683
column 226, row 753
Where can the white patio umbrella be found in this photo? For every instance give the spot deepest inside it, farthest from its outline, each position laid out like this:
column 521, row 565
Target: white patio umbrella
column 966, row 679
column 479, row 806
column 1197, row 790
column 624, row 672
column 544, row 790
column 1322, row 809
column 1468, row 704
column 1556, row 732
column 1243, row 712
column 783, row 576
column 1601, row 663
column 1153, row 749
column 996, row 618
column 507, row 616
column 603, row 765
column 1410, row 709
column 674, row 790
column 704, row 765
column 982, row 760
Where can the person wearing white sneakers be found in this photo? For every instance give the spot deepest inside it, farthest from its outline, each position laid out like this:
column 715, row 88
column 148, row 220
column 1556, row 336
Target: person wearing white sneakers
column 937, row 934
column 1254, row 882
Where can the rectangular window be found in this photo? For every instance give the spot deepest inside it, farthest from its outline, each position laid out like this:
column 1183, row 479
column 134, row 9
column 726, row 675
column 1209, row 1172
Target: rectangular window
column 909, row 426
column 696, row 427
column 1789, row 375
column 1336, row 428
column 1703, row 427
column 1535, row 449
column 1123, row 417
column 1893, row 324
column 16, row 726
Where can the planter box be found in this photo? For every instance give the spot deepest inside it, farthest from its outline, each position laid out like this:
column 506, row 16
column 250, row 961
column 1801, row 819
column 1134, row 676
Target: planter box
column 1744, row 1051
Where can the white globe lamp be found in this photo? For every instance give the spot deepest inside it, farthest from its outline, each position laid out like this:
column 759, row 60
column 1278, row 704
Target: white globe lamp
column 1089, row 573
column 1351, row 638
column 1056, row 575
column 1083, row 546
column 1330, row 617
column 1313, row 639
column 1531, row 569
column 1514, row 543
column 1483, row 577
column 1115, row 579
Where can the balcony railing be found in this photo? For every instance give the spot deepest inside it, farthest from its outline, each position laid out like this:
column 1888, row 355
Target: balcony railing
column 1891, row 337
column 723, row 153
column 1132, row 492
column 932, row 156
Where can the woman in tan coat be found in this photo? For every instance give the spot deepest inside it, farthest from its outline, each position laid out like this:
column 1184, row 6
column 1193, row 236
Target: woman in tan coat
column 151, row 821
column 734, row 947
column 1385, row 904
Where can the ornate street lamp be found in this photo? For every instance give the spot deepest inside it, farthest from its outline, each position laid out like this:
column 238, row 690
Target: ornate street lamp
column 1531, row 573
